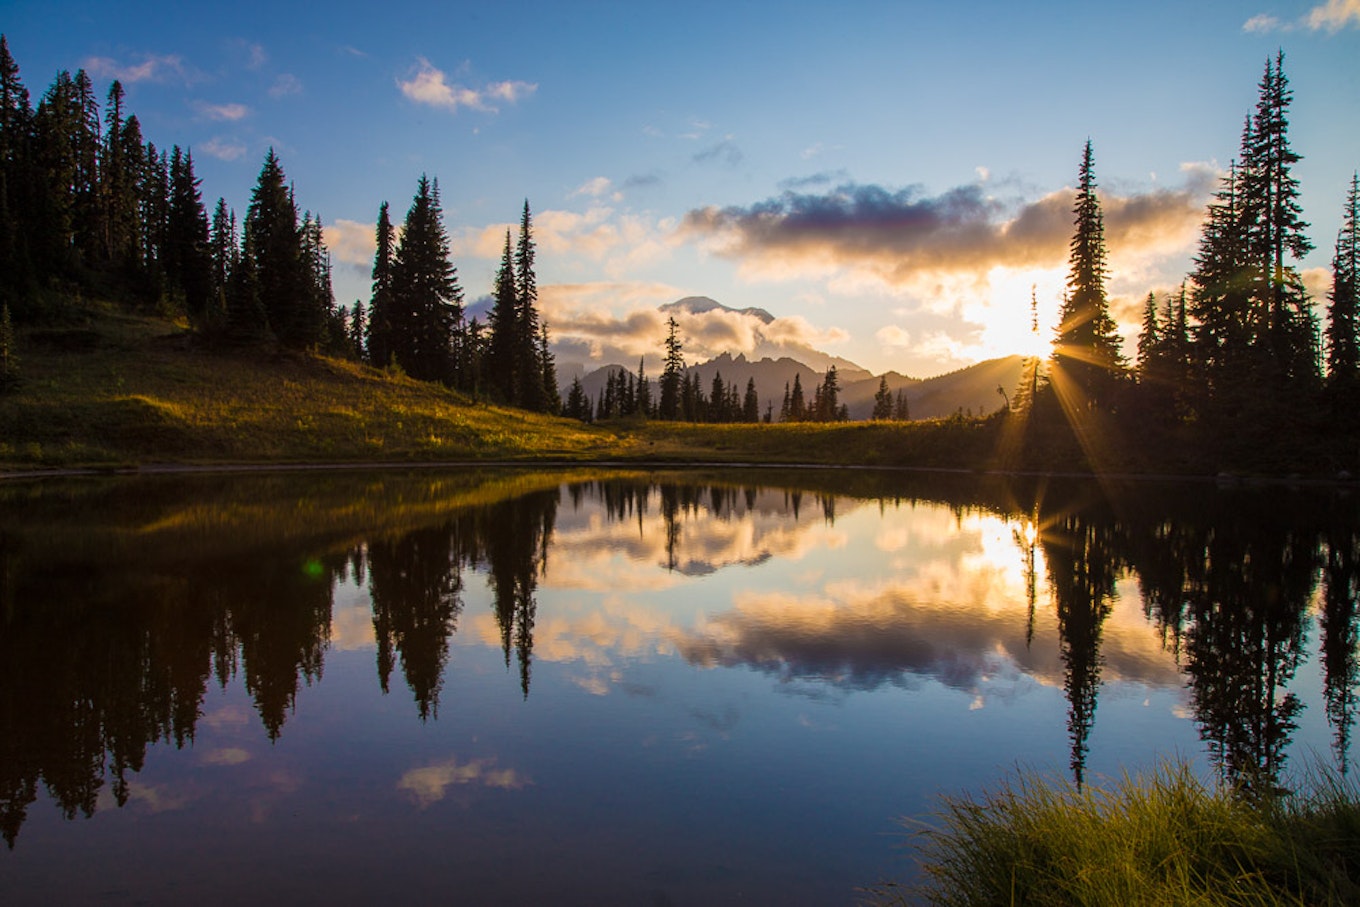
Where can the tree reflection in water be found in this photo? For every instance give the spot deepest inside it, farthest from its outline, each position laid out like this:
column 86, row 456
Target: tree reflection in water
column 122, row 601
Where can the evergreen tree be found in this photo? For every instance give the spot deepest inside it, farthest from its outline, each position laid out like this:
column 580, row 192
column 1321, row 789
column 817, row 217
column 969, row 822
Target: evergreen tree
column 1274, row 230
column 750, row 404
column 532, row 390
column 797, row 405
column 189, row 264
column 883, row 401
column 358, row 330
column 380, row 303
column 828, row 407
column 275, row 239
column 672, row 374
column 15, row 178
column 426, row 300
column 504, row 324
column 642, row 401
column 1343, row 314
column 552, row 397
column 577, row 406
column 901, row 409
column 1087, row 349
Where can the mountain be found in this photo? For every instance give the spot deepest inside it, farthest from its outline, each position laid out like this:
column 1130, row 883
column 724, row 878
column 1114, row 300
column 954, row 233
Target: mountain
column 971, row 389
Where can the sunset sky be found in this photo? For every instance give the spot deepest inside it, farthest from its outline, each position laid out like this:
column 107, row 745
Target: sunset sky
column 888, row 179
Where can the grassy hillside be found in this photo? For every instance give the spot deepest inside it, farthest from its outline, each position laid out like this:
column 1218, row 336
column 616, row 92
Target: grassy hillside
column 125, row 389
column 118, row 389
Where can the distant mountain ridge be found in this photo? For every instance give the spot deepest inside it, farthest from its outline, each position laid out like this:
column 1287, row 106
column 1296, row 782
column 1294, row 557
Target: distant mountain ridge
column 970, row 390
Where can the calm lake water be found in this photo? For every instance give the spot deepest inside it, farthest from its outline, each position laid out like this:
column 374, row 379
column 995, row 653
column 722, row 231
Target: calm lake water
column 509, row 687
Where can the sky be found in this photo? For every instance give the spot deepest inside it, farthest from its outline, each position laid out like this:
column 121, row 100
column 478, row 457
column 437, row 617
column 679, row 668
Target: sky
column 891, row 180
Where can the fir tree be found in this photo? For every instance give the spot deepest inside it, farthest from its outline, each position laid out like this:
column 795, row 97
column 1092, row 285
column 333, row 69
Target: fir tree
column 532, row 391
column 1343, row 314
column 280, row 273
column 380, row 302
column 1087, row 349
column 642, row 402
column 426, row 300
column 672, row 374
column 504, row 324
column 750, row 405
column 552, row 398
column 797, row 405
column 883, row 401
column 901, row 409
column 189, row 264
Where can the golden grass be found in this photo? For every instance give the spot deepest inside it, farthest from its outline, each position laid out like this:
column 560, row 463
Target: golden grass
column 122, row 390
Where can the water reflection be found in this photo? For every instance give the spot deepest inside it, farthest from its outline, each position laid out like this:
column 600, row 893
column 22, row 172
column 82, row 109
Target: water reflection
column 124, row 601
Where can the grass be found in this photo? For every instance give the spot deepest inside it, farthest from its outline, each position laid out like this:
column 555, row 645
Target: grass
column 1166, row 839
column 114, row 389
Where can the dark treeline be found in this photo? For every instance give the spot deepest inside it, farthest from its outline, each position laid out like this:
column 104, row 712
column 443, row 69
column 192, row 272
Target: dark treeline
column 91, row 209
column 1233, row 368
column 100, row 662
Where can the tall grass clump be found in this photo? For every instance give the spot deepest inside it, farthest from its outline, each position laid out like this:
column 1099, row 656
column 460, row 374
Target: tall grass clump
column 1165, row 839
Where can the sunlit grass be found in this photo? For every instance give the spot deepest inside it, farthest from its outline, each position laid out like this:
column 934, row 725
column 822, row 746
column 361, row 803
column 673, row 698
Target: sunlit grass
column 139, row 391
column 1166, row 839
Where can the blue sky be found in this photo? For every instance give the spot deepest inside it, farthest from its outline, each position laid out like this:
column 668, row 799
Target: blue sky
column 888, row 179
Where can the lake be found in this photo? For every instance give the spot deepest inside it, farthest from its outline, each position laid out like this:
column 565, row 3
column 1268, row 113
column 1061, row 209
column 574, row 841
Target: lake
column 508, row 686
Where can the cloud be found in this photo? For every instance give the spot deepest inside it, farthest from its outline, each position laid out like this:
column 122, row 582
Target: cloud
column 351, row 242
column 228, row 112
column 825, row 178
column 430, row 784
column 724, row 152
column 596, row 188
column 152, row 68
column 429, row 85
column 286, row 84
column 1334, row 15
column 1331, row 17
column 898, row 238
column 227, row 755
column 1261, row 24
column 223, row 149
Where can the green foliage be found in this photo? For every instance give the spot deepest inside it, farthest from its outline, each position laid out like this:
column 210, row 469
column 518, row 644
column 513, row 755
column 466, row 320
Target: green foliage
column 1166, row 839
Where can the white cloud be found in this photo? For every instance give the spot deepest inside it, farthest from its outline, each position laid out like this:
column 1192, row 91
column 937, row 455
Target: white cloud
column 429, row 85
column 285, row 85
column 350, row 241
column 1334, row 15
column 1261, row 24
column 223, row 149
column 596, row 188
column 228, row 112
column 430, row 784
column 153, row 68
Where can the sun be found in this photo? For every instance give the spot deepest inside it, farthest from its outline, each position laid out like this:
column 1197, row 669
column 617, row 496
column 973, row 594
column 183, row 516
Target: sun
column 1020, row 311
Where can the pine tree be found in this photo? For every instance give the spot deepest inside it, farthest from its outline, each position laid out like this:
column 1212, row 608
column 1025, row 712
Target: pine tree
column 828, row 407
column 797, row 405
column 426, row 300
column 577, row 407
column 16, row 182
column 901, row 409
column 189, row 264
column 883, row 400
column 552, row 397
column 504, row 324
column 1086, row 352
column 280, row 273
column 643, row 395
column 358, row 330
column 380, row 302
column 1274, row 231
column 750, row 405
column 532, row 391
column 1343, row 315
column 668, row 407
